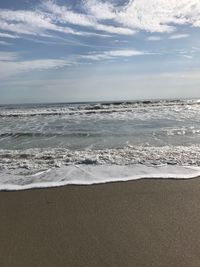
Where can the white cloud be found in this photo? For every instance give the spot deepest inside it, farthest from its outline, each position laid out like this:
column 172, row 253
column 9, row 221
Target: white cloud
column 30, row 22
column 64, row 15
column 187, row 56
column 95, row 57
column 178, row 36
column 159, row 15
column 100, row 10
column 154, row 38
column 115, row 30
column 25, row 22
column 156, row 16
column 125, row 53
column 10, row 68
column 149, row 15
column 6, row 35
column 171, row 37
column 112, row 54
column 11, row 64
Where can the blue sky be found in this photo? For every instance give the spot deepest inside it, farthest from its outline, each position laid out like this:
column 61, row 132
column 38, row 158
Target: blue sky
column 89, row 50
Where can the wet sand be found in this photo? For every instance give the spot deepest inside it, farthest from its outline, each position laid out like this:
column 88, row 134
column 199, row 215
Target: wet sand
column 139, row 223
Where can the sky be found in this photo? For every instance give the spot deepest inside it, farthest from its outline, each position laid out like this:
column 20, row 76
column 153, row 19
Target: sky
column 97, row 50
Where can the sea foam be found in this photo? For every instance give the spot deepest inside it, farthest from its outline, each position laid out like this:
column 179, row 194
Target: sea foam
column 92, row 174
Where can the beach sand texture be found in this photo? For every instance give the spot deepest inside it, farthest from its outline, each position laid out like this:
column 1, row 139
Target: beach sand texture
column 138, row 223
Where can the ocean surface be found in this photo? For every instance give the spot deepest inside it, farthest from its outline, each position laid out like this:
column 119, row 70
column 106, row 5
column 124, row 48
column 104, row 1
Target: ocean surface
column 46, row 145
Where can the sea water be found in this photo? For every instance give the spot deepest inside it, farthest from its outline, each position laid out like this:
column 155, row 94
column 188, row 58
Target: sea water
column 85, row 143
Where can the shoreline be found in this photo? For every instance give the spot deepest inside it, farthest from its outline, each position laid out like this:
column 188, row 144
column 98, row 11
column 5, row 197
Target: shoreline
column 41, row 187
column 89, row 174
column 147, row 222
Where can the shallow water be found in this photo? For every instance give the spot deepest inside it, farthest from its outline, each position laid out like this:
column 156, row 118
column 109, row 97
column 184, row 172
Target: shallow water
column 41, row 137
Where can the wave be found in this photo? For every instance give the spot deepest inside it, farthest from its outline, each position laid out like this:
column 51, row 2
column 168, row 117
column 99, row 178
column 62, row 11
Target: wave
column 66, row 112
column 36, row 159
column 167, row 132
column 46, row 135
column 89, row 174
column 97, row 108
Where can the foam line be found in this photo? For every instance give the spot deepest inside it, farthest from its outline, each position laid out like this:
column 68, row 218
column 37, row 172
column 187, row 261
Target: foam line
column 91, row 174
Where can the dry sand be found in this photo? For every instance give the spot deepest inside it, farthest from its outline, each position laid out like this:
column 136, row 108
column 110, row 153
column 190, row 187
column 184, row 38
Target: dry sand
column 139, row 223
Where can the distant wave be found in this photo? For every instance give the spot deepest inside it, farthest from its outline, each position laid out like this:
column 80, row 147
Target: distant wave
column 111, row 107
column 38, row 134
column 66, row 112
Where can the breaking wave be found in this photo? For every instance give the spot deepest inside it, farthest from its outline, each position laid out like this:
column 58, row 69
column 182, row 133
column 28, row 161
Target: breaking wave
column 128, row 155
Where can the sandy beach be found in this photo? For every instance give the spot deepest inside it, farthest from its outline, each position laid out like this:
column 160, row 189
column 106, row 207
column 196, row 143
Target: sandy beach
column 138, row 223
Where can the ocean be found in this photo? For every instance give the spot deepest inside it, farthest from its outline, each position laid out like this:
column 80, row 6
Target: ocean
column 43, row 145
